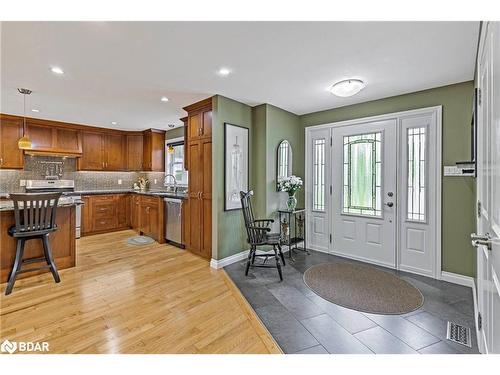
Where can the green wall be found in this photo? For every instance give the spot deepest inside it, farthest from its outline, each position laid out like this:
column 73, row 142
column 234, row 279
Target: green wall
column 259, row 160
column 175, row 133
column 228, row 230
column 458, row 198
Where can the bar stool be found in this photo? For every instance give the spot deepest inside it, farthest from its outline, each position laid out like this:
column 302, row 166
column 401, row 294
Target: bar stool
column 35, row 217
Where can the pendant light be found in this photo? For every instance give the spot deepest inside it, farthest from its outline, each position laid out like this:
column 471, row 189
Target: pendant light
column 24, row 143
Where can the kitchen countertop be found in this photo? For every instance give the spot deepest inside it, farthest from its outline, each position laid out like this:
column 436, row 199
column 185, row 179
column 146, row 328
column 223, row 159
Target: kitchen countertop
column 8, row 205
column 152, row 192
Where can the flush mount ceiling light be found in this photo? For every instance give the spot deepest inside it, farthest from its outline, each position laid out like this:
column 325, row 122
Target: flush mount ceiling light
column 113, row 123
column 35, row 110
column 56, row 70
column 348, row 87
column 164, row 99
column 224, row 72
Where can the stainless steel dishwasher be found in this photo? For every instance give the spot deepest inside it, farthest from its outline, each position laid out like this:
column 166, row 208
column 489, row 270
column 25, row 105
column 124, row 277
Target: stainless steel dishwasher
column 173, row 225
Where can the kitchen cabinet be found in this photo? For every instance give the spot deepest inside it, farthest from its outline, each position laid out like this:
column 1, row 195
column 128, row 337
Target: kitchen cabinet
column 103, row 152
column 199, row 206
column 110, row 212
column 199, row 120
column 53, row 138
column 11, row 129
column 154, row 150
column 92, row 152
column 186, row 136
column 151, row 218
column 135, row 153
column 115, row 152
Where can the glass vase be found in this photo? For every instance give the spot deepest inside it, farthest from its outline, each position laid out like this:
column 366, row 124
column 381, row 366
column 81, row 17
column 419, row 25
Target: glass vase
column 291, row 202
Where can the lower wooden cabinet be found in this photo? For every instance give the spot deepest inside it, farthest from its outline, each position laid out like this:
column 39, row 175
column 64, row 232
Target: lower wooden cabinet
column 110, row 212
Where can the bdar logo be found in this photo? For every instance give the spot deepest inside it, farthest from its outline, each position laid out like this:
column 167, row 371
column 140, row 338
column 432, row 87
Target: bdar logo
column 8, row 347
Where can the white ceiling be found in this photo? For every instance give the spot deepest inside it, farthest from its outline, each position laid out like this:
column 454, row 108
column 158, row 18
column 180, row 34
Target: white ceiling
column 117, row 71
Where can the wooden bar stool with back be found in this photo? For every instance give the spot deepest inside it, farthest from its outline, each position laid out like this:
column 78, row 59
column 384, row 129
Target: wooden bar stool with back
column 35, row 217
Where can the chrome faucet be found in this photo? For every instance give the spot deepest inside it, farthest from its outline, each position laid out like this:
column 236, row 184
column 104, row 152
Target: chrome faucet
column 175, row 181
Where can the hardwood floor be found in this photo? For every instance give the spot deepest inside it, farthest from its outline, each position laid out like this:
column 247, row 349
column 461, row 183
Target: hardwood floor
column 133, row 299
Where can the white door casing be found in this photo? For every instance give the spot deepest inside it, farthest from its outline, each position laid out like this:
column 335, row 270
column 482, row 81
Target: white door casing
column 488, row 188
column 421, row 250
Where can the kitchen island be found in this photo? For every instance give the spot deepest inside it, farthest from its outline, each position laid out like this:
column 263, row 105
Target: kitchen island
column 62, row 241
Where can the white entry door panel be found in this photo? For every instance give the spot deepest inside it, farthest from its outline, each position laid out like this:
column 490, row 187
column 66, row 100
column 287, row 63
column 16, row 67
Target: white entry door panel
column 417, row 211
column 318, row 176
column 488, row 189
column 364, row 191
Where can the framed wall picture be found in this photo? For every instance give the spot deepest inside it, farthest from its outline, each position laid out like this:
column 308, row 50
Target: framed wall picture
column 235, row 165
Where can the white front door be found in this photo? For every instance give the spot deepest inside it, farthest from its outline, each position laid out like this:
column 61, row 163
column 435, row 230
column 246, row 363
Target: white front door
column 364, row 191
column 488, row 190
column 373, row 189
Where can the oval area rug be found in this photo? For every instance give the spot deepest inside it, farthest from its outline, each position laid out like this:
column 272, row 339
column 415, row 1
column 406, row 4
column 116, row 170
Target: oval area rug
column 363, row 288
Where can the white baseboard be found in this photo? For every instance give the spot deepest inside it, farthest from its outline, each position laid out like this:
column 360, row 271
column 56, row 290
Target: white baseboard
column 221, row 263
column 214, row 263
column 456, row 278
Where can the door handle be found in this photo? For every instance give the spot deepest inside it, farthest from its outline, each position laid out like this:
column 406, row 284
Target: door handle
column 389, row 204
column 484, row 240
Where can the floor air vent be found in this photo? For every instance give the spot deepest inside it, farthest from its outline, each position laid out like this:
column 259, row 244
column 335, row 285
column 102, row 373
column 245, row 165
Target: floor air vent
column 458, row 334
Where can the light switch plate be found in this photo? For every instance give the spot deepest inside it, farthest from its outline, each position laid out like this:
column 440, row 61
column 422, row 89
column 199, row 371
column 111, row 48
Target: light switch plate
column 119, row 181
column 22, row 182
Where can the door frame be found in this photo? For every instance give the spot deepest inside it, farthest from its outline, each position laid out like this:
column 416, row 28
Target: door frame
column 436, row 112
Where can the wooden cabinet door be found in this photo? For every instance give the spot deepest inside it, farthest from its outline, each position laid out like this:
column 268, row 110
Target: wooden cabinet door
column 195, row 189
column 135, row 212
column 115, row 150
column 195, row 123
column 154, row 218
column 158, row 152
column 11, row 157
column 42, row 137
column 68, row 140
column 86, row 219
column 143, row 218
column 92, row 152
column 206, row 198
column 122, row 210
column 135, row 152
column 207, row 123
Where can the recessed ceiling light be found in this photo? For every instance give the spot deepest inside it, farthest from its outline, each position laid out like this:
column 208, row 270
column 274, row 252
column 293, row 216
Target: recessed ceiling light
column 348, row 87
column 164, row 99
column 56, row 70
column 113, row 123
column 224, row 72
column 35, row 110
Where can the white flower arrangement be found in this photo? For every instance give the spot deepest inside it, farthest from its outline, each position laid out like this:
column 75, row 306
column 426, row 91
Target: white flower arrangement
column 290, row 184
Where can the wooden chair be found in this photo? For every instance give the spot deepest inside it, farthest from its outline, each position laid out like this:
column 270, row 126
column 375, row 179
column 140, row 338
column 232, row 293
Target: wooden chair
column 258, row 232
column 35, row 217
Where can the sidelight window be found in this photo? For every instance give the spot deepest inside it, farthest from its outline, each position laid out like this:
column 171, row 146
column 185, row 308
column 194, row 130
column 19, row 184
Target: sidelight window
column 416, row 200
column 362, row 174
column 319, row 175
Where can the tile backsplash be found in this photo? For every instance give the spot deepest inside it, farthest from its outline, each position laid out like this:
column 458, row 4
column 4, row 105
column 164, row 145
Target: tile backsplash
column 36, row 168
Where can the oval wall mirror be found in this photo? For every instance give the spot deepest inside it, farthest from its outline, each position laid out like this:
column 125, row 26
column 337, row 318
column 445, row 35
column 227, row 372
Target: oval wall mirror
column 284, row 161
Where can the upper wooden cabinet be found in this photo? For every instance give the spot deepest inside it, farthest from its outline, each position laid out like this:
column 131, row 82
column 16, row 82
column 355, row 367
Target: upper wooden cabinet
column 115, row 152
column 103, row 152
column 93, row 152
column 154, row 150
column 199, row 120
column 50, row 137
column 11, row 129
column 135, row 152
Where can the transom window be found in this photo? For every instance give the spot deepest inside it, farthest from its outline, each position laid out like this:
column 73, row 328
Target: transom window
column 362, row 174
column 416, row 200
column 319, row 175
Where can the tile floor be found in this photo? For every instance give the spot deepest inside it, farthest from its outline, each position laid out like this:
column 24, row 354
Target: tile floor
column 302, row 322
